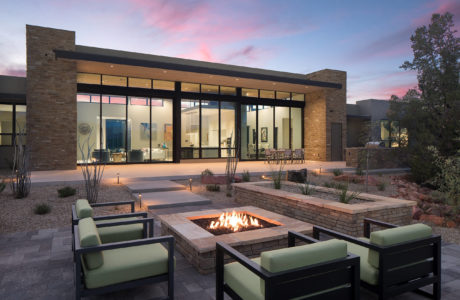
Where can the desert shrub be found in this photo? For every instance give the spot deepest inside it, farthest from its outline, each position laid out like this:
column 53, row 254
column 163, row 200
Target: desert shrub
column 277, row 176
column 345, row 196
column 355, row 180
column 381, row 186
column 207, row 172
column 66, row 192
column 42, row 209
column 213, row 188
column 335, row 185
column 359, row 171
column 305, row 188
column 246, row 176
column 337, row 172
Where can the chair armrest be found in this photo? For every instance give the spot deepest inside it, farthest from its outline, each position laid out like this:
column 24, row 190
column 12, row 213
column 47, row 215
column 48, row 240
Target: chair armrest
column 146, row 221
column 292, row 235
column 109, row 246
column 109, row 217
column 318, row 229
column 222, row 248
column 368, row 222
column 130, row 202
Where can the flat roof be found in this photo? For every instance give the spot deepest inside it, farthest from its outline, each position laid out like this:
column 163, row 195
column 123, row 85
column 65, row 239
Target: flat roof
column 109, row 56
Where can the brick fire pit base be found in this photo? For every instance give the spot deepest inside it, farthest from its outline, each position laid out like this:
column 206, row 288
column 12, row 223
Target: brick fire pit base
column 199, row 246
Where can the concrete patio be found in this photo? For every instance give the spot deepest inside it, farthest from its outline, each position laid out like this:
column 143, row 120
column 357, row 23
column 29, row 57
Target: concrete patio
column 172, row 171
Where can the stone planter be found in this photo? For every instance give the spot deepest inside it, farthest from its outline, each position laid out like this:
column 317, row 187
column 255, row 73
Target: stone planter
column 345, row 218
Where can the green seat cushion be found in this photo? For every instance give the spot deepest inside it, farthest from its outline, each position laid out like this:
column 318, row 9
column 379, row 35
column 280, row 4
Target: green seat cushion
column 301, row 256
column 247, row 284
column 126, row 264
column 244, row 282
column 368, row 273
column 89, row 237
column 396, row 235
column 83, row 209
column 113, row 234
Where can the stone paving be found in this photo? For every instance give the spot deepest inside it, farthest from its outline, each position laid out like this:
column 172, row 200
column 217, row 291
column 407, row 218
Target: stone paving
column 38, row 265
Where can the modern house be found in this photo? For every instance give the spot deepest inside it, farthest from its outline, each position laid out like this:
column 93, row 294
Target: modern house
column 367, row 120
column 140, row 108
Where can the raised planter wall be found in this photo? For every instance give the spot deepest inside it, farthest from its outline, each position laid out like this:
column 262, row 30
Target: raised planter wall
column 345, row 218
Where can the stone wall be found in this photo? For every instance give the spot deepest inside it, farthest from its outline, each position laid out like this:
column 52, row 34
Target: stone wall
column 345, row 218
column 51, row 100
column 322, row 108
column 379, row 158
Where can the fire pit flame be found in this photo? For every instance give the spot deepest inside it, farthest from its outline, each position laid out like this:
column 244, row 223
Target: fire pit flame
column 235, row 221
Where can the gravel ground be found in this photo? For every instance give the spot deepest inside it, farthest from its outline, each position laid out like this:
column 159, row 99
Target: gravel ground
column 17, row 214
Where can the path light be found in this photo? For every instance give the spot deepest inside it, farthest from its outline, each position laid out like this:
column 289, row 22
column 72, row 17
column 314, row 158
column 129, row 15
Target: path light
column 118, row 178
column 190, row 183
column 140, row 200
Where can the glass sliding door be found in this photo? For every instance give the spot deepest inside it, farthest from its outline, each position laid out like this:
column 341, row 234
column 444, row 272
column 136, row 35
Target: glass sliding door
column 281, row 128
column 296, row 127
column 265, row 125
column 190, row 129
column 114, row 128
column 88, row 129
column 139, row 130
column 227, row 129
column 209, row 129
column 162, row 130
column 248, row 131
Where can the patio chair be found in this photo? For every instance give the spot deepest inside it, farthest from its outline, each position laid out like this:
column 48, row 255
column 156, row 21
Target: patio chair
column 287, row 155
column 103, row 268
column 322, row 270
column 269, row 155
column 396, row 260
column 298, row 155
column 129, row 228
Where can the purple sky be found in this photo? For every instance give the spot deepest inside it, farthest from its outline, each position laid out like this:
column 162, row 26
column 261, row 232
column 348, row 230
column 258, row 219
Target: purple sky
column 368, row 39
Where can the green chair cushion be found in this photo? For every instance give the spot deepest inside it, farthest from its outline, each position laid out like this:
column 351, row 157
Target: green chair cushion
column 126, row 264
column 120, row 233
column 247, row 284
column 396, row 235
column 83, row 209
column 301, row 256
column 89, row 237
column 368, row 273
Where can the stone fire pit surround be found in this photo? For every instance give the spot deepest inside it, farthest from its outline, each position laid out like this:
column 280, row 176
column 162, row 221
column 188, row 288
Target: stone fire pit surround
column 345, row 218
column 199, row 246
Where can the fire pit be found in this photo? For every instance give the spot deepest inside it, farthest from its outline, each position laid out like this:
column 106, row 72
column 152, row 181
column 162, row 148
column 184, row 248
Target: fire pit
column 233, row 222
column 196, row 240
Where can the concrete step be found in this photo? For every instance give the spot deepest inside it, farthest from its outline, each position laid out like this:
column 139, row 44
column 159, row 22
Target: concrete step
column 148, row 186
column 155, row 200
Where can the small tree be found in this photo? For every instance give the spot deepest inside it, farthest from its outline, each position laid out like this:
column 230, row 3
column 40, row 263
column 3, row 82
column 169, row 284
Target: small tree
column 20, row 176
column 92, row 170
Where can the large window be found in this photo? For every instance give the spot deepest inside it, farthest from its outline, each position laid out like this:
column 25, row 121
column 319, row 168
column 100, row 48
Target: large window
column 392, row 135
column 190, row 128
column 296, row 127
column 127, row 129
column 265, row 129
column 227, row 129
column 281, row 128
column 210, row 129
column 12, row 123
column 248, row 131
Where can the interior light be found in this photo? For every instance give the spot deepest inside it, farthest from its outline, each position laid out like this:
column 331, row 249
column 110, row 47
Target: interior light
column 164, row 71
column 111, row 66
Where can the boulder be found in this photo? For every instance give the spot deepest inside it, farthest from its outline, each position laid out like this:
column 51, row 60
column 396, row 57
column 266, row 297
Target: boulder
column 297, row 175
column 438, row 221
column 416, row 213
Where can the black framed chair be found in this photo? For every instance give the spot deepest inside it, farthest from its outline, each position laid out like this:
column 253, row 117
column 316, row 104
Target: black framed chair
column 319, row 270
column 129, row 225
column 395, row 260
column 104, row 268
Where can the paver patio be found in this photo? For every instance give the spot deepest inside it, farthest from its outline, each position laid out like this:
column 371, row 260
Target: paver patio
column 38, row 265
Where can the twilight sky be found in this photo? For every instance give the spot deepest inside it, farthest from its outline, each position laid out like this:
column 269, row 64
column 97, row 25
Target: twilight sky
column 368, row 38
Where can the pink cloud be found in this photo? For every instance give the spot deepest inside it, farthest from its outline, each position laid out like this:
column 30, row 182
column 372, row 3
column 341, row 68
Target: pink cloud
column 440, row 7
column 19, row 71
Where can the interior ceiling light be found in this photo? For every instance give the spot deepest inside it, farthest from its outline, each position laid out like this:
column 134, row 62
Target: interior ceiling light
column 111, row 66
column 237, row 79
column 164, row 71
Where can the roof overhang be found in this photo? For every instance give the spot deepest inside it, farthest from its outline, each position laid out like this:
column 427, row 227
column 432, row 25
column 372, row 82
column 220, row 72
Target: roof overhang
column 361, row 117
column 106, row 61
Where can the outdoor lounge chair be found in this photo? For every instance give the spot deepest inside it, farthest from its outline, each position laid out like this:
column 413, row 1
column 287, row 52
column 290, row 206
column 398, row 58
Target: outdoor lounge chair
column 395, row 260
column 323, row 270
column 128, row 229
column 103, row 268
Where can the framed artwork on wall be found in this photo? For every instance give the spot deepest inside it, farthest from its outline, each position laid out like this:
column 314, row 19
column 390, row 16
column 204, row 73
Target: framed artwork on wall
column 264, row 134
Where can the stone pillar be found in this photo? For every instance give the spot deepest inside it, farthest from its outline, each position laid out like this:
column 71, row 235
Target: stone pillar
column 51, row 100
column 323, row 107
